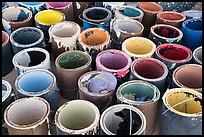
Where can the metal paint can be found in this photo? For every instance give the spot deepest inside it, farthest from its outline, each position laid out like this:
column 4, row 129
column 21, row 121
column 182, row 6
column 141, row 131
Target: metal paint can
column 197, row 55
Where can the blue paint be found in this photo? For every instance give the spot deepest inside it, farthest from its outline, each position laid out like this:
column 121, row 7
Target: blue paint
column 130, row 12
column 32, row 3
column 22, row 16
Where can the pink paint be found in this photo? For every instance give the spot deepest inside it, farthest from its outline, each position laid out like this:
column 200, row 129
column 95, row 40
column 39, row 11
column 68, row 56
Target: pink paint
column 56, row 5
column 5, row 38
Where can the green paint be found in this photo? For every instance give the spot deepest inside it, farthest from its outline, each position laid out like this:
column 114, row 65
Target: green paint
column 129, row 12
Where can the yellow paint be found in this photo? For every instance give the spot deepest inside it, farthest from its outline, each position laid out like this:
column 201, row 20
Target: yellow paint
column 49, row 17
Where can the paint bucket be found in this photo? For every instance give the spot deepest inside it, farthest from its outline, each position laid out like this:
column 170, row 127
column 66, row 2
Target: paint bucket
column 70, row 66
column 192, row 14
column 27, row 116
column 122, row 29
column 192, row 33
column 101, row 100
column 7, row 55
column 97, row 17
column 188, row 76
column 162, row 33
column 129, row 12
column 16, row 17
column 182, row 112
column 197, row 55
column 64, row 7
column 170, row 18
column 138, row 47
column 63, row 37
column 38, row 83
column 4, row 5
column 44, row 19
column 77, row 117
column 27, row 37
column 34, row 7
column 150, row 9
column 125, row 94
column 31, row 58
column 112, row 123
column 151, row 70
column 93, row 41
column 115, row 62
column 173, row 55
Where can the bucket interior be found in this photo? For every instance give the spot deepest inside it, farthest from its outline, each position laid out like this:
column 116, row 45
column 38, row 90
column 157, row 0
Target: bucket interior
column 129, row 26
column 166, row 32
column 15, row 15
column 30, row 58
column 4, row 38
column 26, row 36
column 113, row 60
column 199, row 54
column 4, row 90
column 194, row 25
column 190, row 76
column 73, row 60
column 173, row 52
column 130, row 12
column 26, row 112
column 94, row 37
column 149, row 6
column 114, row 122
column 171, row 16
column 192, row 106
column 77, row 116
column 97, row 14
column 35, row 81
column 32, row 3
column 149, row 69
column 58, row 4
column 49, row 17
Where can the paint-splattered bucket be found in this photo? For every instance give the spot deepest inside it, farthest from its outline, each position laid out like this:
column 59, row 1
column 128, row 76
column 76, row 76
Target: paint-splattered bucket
column 138, row 47
column 115, row 120
column 112, row 6
column 7, row 55
column 101, row 100
column 64, row 7
column 31, row 58
column 63, row 37
column 192, row 14
column 122, row 29
column 150, row 70
column 38, row 83
column 115, row 62
column 77, row 117
column 197, row 55
column 173, row 55
column 27, row 116
column 132, row 92
column 27, row 37
column 16, row 17
column 97, row 17
column 192, row 33
column 182, row 112
column 188, row 76
column 162, row 33
column 70, row 66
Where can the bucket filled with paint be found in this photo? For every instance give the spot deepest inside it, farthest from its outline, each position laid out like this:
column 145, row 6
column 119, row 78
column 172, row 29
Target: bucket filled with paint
column 144, row 96
column 38, row 83
column 197, row 55
column 64, row 7
column 129, row 12
column 123, row 29
column 97, row 17
column 138, row 47
column 16, row 17
column 98, row 87
column 7, row 55
column 192, row 14
column 173, row 55
column 70, row 66
column 77, row 117
column 188, row 76
column 115, row 120
column 115, row 62
column 192, row 33
column 150, row 70
column 27, row 37
column 182, row 112
column 27, row 116
column 162, row 33
column 31, row 58
column 63, row 37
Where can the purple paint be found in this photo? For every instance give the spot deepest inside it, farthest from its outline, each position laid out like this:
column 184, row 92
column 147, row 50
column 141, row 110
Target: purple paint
column 58, row 4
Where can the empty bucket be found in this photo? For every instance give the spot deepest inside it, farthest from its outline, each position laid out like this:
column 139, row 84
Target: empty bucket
column 197, row 55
